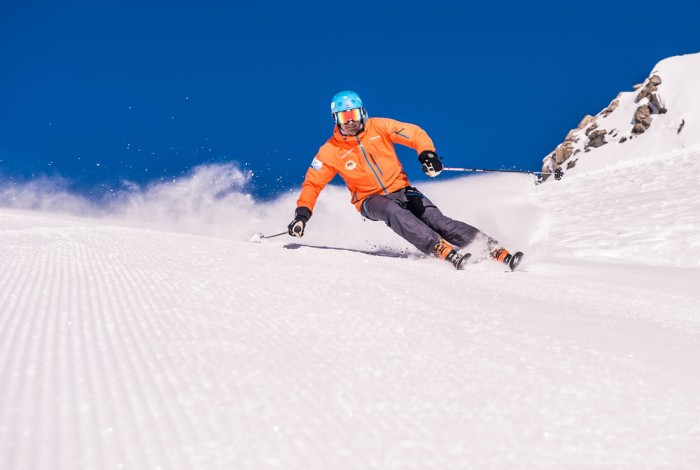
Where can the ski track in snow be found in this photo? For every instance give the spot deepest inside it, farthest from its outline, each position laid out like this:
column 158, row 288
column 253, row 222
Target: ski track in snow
column 160, row 339
column 125, row 347
column 132, row 348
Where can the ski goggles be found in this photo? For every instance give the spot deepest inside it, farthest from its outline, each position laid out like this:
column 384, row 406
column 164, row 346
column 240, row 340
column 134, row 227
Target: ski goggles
column 343, row 117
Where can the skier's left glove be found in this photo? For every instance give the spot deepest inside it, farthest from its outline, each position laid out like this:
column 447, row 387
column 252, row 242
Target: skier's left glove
column 296, row 227
column 432, row 166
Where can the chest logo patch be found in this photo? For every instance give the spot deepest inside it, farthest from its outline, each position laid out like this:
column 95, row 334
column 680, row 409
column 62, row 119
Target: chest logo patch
column 350, row 165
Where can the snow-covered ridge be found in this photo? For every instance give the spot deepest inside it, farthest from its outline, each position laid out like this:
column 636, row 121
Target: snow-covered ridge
column 661, row 115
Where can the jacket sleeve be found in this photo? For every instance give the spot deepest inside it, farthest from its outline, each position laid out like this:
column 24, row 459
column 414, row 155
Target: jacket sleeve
column 407, row 134
column 317, row 177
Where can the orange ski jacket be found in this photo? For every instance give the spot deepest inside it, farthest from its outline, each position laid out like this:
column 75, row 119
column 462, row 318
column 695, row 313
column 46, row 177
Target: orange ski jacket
column 367, row 162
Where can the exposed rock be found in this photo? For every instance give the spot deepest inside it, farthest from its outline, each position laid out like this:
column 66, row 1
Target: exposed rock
column 646, row 92
column 572, row 136
column 642, row 119
column 585, row 121
column 591, row 128
column 643, row 115
column 611, row 107
column 563, row 152
column 571, row 164
column 638, row 129
column 596, row 139
column 623, row 140
column 650, row 92
column 655, row 105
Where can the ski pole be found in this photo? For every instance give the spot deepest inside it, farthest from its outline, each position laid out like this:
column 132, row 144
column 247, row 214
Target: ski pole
column 483, row 170
column 259, row 236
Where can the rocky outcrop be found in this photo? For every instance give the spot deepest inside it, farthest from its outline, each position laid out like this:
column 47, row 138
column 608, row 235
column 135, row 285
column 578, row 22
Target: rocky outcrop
column 648, row 92
column 563, row 152
column 596, row 139
column 642, row 119
column 590, row 134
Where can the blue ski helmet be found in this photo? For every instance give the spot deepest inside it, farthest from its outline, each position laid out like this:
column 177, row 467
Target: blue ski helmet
column 347, row 100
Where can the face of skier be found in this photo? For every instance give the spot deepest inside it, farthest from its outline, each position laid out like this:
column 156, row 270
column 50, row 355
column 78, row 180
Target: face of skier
column 350, row 121
column 351, row 127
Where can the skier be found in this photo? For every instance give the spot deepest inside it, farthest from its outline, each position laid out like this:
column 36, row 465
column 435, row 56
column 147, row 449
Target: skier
column 362, row 151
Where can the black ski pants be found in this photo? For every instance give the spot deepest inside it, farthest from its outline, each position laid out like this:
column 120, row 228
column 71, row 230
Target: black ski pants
column 415, row 218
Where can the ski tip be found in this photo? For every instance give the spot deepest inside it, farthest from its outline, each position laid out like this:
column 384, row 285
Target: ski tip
column 515, row 260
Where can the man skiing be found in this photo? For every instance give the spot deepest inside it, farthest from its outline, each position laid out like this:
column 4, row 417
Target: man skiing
column 362, row 151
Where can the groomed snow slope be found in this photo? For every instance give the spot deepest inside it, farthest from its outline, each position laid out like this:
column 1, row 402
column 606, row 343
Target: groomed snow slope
column 127, row 343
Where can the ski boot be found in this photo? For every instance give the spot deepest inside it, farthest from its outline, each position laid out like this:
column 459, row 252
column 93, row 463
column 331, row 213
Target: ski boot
column 512, row 260
column 444, row 250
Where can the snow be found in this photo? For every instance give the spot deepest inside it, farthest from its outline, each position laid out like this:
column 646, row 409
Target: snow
column 154, row 335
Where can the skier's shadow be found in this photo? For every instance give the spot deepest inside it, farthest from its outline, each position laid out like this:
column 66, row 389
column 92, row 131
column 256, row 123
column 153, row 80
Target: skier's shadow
column 382, row 252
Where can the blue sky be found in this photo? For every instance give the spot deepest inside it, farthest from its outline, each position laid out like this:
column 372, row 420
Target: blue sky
column 101, row 92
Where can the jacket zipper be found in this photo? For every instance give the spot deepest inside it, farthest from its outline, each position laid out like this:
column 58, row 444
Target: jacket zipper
column 370, row 165
column 376, row 164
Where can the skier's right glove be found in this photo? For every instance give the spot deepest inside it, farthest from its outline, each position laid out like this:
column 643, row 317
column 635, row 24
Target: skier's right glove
column 301, row 216
column 432, row 166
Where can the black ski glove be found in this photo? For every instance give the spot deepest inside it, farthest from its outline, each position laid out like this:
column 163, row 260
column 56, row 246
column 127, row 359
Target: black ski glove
column 296, row 227
column 432, row 166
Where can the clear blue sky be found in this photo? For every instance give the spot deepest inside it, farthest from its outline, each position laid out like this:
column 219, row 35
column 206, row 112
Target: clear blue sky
column 98, row 91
